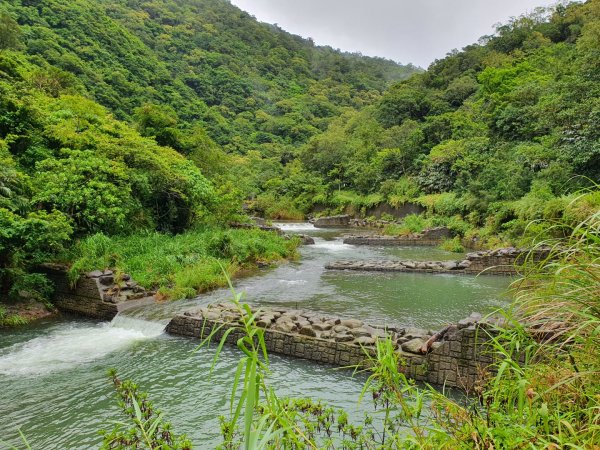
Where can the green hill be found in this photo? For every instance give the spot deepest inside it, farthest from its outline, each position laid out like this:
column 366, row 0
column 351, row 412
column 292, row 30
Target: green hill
column 123, row 117
column 493, row 136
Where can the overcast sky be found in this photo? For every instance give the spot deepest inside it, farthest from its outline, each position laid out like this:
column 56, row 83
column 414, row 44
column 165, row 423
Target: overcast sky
column 417, row 31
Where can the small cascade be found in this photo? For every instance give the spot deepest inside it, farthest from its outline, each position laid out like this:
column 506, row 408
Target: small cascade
column 71, row 345
column 295, row 227
column 336, row 245
column 147, row 328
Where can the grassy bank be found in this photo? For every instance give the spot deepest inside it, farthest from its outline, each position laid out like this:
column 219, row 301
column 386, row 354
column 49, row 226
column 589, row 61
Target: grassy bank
column 182, row 265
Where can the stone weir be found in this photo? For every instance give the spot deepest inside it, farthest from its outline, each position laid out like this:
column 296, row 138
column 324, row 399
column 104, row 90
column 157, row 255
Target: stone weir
column 98, row 294
column 455, row 356
column 505, row 261
column 429, row 237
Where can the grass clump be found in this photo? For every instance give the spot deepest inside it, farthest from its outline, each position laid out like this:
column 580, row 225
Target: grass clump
column 10, row 320
column 410, row 224
column 453, row 245
column 181, row 265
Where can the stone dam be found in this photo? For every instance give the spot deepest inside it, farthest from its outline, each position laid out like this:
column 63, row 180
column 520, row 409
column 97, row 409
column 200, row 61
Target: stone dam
column 506, row 261
column 455, row 356
column 428, row 237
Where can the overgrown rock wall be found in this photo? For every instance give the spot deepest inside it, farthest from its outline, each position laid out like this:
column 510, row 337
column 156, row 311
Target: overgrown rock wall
column 455, row 356
column 95, row 294
column 342, row 221
column 398, row 212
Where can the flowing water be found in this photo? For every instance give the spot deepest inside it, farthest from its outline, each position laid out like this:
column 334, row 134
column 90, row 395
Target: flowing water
column 53, row 374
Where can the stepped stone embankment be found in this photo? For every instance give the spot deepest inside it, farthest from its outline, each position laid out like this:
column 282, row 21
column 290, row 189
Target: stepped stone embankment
column 342, row 221
column 505, row 261
column 454, row 356
column 97, row 294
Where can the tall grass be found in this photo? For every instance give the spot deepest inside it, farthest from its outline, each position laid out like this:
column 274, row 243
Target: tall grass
column 546, row 391
column 181, row 265
column 412, row 223
column 10, row 320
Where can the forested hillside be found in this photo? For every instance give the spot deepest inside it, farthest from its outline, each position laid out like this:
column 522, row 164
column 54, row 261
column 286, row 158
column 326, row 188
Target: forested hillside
column 132, row 116
column 492, row 136
column 121, row 117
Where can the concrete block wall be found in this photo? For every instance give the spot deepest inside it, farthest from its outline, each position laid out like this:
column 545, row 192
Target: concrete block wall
column 84, row 299
column 458, row 360
column 287, row 344
column 506, row 261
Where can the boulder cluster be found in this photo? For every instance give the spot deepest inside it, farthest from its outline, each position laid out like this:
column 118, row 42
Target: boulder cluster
column 118, row 289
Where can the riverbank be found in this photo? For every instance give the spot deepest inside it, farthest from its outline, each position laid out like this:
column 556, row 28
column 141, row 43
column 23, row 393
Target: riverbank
column 24, row 312
column 183, row 265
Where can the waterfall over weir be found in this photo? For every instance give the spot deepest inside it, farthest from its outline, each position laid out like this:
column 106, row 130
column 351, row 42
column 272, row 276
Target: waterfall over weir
column 66, row 346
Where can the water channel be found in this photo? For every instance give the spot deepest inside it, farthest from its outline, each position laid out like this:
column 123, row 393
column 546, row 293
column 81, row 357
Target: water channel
column 53, row 374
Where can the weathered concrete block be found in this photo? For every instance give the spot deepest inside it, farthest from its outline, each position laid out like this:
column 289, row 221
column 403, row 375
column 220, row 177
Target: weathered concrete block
column 342, row 221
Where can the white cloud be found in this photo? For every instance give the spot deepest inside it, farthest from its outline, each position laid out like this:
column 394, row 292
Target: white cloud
column 416, row 31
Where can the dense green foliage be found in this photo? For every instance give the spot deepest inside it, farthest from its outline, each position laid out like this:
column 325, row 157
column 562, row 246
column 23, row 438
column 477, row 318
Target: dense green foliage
column 127, row 117
column 69, row 169
column 497, row 134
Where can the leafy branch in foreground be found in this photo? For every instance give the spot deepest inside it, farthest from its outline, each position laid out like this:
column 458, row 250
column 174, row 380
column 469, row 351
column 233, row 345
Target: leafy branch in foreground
column 23, row 439
column 146, row 430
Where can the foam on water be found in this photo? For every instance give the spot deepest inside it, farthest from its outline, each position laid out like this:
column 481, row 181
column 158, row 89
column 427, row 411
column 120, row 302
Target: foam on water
column 293, row 282
column 74, row 345
column 304, row 226
column 333, row 246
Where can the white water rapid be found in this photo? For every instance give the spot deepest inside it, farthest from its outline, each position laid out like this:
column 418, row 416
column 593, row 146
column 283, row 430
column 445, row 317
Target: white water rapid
column 74, row 344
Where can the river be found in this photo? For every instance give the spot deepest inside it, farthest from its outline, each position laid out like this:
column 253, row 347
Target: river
column 53, row 374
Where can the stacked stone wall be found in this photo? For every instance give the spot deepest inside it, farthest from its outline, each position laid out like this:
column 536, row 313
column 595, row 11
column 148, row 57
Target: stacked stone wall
column 456, row 356
column 287, row 344
column 506, row 261
column 390, row 241
column 342, row 221
column 95, row 295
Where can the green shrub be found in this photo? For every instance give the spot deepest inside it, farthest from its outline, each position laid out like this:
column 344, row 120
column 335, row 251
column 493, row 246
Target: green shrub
column 181, row 265
column 445, row 204
column 10, row 320
column 411, row 223
column 414, row 223
column 32, row 285
column 452, row 245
